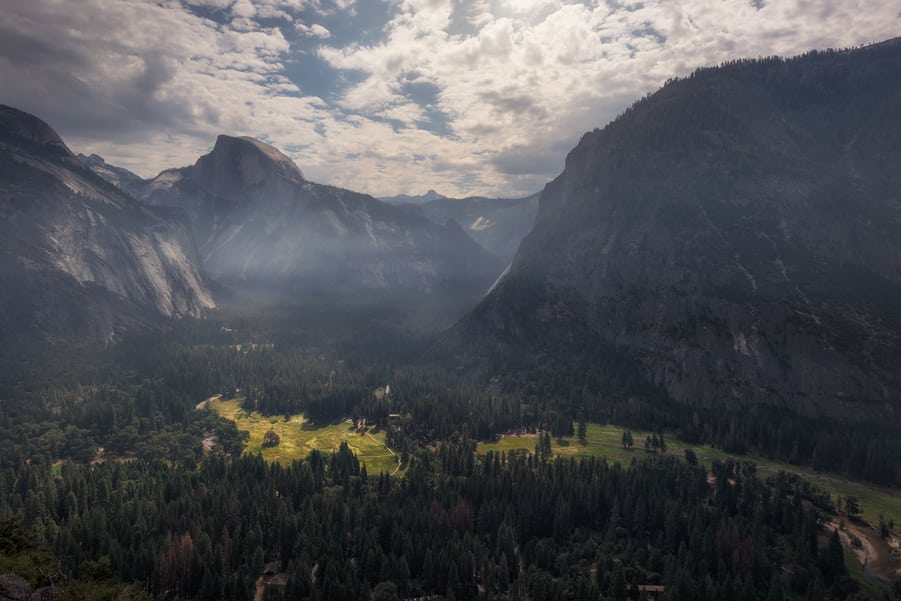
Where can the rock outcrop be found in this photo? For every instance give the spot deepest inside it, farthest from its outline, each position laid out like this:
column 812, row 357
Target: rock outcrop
column 14, row 588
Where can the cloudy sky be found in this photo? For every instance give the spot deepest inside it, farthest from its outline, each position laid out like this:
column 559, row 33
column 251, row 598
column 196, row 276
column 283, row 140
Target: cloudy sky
column 383, row 96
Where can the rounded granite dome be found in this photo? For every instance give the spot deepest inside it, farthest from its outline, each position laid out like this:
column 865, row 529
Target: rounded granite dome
column 20, row 127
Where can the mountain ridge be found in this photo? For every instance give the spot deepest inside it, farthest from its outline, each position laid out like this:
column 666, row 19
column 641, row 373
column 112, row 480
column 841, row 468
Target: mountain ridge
column 122, row 178
column 259, row 223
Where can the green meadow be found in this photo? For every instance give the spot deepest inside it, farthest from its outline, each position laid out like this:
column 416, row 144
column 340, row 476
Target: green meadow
column 606, row 441
column 298, row 436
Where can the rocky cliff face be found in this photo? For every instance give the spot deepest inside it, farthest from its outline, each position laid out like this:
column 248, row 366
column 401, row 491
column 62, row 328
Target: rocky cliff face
column 78, row 257
column 739, row 232
column 260, row 224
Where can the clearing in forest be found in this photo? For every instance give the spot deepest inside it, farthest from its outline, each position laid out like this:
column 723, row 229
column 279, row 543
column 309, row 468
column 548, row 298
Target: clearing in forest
column 606, row 441
column 298, row 436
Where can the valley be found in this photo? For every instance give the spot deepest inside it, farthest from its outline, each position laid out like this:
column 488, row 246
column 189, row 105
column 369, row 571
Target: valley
column 672, row 371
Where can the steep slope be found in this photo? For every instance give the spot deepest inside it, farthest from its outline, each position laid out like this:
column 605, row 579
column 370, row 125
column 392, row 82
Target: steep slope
column 77, row 257
column 738, row 234
column 261, row 225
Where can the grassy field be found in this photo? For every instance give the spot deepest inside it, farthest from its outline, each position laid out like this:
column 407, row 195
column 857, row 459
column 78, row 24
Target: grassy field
column 605, row 441
column 601, row 441
column 299, row 437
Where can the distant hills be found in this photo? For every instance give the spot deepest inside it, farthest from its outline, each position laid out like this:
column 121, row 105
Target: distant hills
column 406, row 199
column 78, row 257
column 734, row 237
column 123, row 179
column 497, row 224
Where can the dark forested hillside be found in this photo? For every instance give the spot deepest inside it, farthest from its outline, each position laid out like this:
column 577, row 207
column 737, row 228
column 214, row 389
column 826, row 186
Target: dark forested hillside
column 732, row 240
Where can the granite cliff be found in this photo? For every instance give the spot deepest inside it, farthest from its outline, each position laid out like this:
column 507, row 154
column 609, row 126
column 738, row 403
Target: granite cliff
column 77, row 256
column 737, row 233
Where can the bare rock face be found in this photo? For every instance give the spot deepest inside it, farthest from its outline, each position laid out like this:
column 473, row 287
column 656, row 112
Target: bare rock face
column 77, row 256
column 14, row 588
column 237, row 167
column 738, row 232
column 261, row 225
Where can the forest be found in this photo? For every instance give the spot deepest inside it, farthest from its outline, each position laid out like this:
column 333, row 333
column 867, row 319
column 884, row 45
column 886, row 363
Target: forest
column 154, row 515
column 455, row 525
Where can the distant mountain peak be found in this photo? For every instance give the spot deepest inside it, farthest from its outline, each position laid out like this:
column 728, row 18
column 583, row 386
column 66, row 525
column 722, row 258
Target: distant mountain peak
column 252, row 160
column 406, row 199
column 121, row 178
column 23, row 127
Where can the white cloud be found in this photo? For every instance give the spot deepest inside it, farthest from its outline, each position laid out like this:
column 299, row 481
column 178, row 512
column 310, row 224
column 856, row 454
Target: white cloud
column 537, row 73
column 511, row 84
column 315, row 30
column 220, row 4
column 244, row 8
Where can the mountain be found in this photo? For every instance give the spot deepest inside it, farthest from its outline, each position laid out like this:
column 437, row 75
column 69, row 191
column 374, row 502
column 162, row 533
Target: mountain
column 262, row 226
column 736, row 237
column 497, row 224
column 77, row 256
column 405, row 199
column 117, row 176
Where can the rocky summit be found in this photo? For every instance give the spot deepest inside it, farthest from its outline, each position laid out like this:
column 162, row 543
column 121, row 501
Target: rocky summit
column 738, row 233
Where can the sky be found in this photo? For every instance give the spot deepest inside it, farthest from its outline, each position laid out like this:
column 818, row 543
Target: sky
column 479, row 97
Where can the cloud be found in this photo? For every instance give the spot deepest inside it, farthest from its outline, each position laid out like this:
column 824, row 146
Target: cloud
column 466, row 97
column 521, row 80
column 315, row 30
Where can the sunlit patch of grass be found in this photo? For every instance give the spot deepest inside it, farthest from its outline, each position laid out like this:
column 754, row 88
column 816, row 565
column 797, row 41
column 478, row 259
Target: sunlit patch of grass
column 298, row 436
